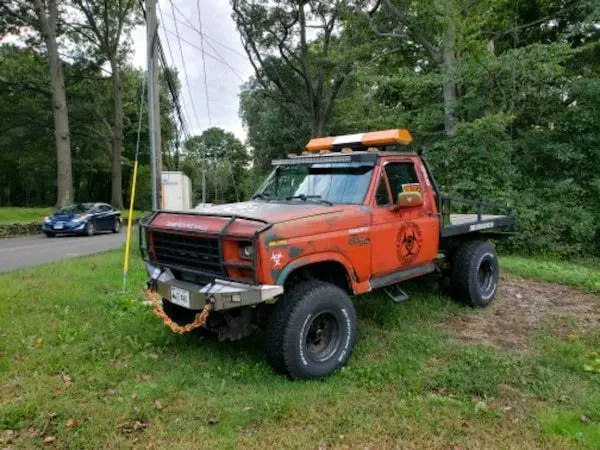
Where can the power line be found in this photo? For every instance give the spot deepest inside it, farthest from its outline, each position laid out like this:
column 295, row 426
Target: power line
column 219, row 58
column 188, row 24
column 187, row 81
column 167, row 72
column 235, row 72
column 203, row 63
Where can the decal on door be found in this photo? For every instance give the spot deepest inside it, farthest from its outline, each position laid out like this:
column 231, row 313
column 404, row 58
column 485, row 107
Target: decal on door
column 408, row 242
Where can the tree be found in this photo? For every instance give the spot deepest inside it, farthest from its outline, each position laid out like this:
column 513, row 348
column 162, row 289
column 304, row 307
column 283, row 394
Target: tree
column 224, row 159
column 104, row 29
column 432, row 26
column 44, row 19
column 276, row 39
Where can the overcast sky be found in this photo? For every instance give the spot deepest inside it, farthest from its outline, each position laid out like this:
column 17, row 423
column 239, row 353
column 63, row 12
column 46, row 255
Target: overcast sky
column 223, row 81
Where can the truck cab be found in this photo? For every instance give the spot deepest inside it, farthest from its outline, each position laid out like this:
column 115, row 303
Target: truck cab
column 348, row 215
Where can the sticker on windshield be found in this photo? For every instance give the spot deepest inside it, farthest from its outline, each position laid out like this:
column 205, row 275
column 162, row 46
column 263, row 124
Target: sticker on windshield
column 411, row 187
column 408, row 242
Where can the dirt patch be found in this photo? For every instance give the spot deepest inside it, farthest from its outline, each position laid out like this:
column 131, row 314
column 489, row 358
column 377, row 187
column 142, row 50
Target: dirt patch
column 525, row 306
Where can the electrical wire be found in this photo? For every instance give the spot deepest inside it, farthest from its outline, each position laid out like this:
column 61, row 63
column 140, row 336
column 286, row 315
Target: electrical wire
column 187, row 81
column 203, row 63
column 235, row 72
column 167, row 74
column 167, row 71
column 218, row 58
column 188, row 24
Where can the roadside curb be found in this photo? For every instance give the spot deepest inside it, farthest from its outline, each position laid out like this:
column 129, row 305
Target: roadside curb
column 9, row 230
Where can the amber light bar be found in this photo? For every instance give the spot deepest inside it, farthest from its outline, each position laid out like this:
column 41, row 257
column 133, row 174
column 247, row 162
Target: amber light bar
column 373, row 139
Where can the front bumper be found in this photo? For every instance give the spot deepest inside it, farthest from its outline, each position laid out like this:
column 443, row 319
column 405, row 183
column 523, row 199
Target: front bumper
column 223, row 294
column 67, row 227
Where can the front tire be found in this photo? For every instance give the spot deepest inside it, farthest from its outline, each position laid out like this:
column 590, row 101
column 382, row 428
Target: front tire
column 312, row 331
column 90, row 229
column 116, row 226
column 49, row 234
column 475, row 273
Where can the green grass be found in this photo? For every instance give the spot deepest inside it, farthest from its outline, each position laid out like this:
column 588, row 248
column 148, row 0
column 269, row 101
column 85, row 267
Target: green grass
column 23, row 215
column 577, row 274
column 10, row 215
column 73, row 346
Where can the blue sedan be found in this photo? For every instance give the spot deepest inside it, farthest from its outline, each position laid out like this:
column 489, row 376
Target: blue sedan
column 83, row 218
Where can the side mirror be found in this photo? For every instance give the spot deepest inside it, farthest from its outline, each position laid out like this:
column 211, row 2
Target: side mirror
column 409, row 199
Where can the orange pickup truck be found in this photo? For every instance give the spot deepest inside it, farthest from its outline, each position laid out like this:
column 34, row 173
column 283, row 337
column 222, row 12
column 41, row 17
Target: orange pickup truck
column 349, row 215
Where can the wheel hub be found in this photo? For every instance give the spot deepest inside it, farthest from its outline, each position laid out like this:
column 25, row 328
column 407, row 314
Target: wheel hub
column 322, row 339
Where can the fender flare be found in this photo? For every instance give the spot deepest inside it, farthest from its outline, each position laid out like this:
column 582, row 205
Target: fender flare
column 317, row 258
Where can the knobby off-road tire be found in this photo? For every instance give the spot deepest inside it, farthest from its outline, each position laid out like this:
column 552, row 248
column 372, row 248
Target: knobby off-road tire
column 312, row 331
column 475, row 273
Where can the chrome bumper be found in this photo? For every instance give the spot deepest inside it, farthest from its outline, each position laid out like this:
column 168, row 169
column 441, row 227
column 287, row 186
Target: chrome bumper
column 222, row 294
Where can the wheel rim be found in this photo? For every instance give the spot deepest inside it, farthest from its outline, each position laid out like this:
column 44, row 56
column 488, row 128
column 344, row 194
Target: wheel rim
column 485, row 275
column 117, row 225
column 323, row 337
column 91, row 228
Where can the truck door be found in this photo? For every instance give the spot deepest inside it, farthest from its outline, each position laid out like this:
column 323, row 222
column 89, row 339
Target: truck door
column 407, row 237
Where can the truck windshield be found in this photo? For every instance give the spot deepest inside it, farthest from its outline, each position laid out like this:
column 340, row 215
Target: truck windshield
column 327, row 182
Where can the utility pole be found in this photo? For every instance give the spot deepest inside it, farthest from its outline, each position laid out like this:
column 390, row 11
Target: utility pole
column 153, row 102
column 203, row 173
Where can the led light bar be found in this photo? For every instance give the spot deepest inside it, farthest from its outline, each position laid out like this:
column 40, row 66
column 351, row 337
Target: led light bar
column 373, row 139
column 311, row 159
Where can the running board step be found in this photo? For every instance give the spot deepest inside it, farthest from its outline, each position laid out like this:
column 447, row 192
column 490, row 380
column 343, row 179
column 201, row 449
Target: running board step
column 396, row 293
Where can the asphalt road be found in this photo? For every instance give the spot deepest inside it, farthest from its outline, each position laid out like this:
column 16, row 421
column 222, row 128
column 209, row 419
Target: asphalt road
column 16, row 253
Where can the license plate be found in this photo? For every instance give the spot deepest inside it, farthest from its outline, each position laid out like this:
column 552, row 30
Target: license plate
column 180, row 297
column 59, row 226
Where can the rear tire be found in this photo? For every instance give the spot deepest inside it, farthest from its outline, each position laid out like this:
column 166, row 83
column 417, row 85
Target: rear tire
column 312, row 331
column 475, row 273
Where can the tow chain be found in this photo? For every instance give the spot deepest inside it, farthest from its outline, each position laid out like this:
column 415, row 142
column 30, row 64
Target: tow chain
column 199, row 320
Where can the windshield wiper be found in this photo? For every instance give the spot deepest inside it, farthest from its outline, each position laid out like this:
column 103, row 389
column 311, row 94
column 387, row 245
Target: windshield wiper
column 310, row 197
column 261, row 196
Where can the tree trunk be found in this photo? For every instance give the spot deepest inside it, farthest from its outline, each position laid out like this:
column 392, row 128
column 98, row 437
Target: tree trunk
column 489, row 81
column 64, row 178
column 449, row 82
column 117, row 138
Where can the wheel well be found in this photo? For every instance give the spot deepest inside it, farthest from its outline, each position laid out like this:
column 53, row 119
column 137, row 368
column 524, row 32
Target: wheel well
column 329, row 271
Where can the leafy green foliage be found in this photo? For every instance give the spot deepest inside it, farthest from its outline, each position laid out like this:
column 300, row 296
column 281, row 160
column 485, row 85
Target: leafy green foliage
column 224, row 159
column 526, row 128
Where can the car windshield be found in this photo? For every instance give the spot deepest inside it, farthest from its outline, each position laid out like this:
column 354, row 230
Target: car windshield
column 326, row 182
column 78, row 208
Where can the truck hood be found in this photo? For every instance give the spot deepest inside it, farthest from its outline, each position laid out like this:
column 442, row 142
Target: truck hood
column 252, row 216
column 274, row 212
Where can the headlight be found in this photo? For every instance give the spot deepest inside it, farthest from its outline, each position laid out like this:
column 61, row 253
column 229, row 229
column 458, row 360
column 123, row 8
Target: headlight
column 81, row 218
column 246, row 251
column 47, row 219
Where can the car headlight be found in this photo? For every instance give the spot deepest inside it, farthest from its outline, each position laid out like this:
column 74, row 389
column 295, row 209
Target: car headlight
column 47, row 219
column 81, row 218
column 246, row 251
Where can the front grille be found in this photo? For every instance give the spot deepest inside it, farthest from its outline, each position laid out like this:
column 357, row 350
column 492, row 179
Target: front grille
column 188, row 252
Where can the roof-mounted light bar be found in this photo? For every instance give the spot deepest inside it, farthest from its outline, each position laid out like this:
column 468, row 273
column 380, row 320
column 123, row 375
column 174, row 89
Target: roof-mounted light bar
column 311, row 159
column 329, row 158
column 373, row 139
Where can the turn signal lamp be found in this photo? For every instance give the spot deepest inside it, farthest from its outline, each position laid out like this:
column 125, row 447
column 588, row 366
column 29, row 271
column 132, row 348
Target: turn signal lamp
column 373, row 139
